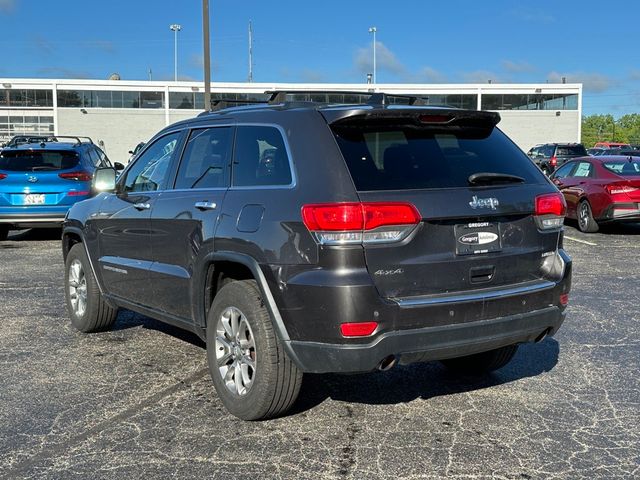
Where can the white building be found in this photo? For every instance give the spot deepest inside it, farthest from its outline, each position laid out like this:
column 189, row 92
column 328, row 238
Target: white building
column 120, row 113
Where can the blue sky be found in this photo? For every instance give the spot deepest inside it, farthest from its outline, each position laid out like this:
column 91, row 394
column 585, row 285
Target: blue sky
column 425, row 41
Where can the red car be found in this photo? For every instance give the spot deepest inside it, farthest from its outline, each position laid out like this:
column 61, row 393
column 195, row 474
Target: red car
column 600, row 189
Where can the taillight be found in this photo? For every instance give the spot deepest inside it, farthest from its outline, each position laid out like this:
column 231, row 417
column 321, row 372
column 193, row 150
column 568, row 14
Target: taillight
column 348, row 223
column 79, row 176
column 3, row 176
column 550, row 210
column 553, row 161
column 614, row 189
column 359, row 329
column 564, row 299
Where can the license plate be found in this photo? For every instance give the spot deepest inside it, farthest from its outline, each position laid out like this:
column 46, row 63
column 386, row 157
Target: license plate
column 34, row 199
column 477, row 238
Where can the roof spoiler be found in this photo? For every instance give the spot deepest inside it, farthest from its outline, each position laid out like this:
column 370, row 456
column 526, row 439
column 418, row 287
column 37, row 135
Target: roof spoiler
column 433, row 117
column 375, row 98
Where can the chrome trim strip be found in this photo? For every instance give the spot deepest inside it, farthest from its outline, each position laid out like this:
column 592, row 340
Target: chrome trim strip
column 410, row 302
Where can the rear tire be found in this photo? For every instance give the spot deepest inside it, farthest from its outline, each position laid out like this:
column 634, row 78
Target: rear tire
column 4, row 232
column 87, row 309
column 481, row 363
column 586, row 222
column 253, row 376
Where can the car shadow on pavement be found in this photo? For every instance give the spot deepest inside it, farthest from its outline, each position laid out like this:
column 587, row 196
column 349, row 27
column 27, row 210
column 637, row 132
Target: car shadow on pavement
column 128, row 319
column 34, row 234
column 421, row 380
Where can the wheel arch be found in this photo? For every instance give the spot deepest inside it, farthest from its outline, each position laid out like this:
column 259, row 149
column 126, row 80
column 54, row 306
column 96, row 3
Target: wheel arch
column 245, row 267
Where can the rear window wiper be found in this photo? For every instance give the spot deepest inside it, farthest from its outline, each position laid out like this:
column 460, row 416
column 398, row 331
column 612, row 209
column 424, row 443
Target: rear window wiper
column 489, row 178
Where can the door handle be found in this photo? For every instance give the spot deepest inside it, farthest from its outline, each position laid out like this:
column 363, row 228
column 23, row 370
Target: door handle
column 205, row 205
column 141, row 206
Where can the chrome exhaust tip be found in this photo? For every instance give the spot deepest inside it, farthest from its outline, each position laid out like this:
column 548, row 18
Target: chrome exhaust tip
column 387, row 363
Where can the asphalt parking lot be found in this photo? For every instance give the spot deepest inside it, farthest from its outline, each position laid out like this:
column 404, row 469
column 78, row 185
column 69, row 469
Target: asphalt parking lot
column 137, row 402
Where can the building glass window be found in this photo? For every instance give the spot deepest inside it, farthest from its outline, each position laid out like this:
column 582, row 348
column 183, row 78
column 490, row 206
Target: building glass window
column 537, row 101
column 110, row 99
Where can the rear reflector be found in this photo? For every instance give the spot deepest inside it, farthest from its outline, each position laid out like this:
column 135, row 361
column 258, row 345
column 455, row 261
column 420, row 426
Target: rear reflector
column 375, row 222
column 78, row 176
column 550, row 210
column 564, row 299
column 360, row 329
column 3, row 176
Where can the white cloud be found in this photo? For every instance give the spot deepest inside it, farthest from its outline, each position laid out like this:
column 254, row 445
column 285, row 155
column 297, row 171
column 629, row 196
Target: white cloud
column 591, row 82
column 386, row 60
column 517, row 67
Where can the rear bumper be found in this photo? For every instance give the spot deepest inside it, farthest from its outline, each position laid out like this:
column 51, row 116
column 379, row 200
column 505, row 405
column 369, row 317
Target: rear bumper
column 430, row 343
column 27, row 219
column 621, row 212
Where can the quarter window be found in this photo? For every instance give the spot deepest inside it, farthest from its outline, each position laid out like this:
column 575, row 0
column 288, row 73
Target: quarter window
column 151, row 169
column 206, row 159
column 260, row 157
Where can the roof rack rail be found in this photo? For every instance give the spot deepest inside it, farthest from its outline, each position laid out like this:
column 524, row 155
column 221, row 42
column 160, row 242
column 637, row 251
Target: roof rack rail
column 229, row 102
column 79, row 140
column 375, row 98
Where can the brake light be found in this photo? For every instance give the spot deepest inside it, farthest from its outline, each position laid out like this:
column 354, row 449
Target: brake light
column 373, row 222
column 553, row 161
column 79, row 176
column 359, row 329
column 615, row 189
column 550, row 210
column 3, row 176
column 435, row 118
column 79, row 193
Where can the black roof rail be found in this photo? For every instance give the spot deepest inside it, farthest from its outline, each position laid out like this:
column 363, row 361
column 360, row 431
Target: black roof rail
column 230, row 102
column 74, row 137
column 375, row 98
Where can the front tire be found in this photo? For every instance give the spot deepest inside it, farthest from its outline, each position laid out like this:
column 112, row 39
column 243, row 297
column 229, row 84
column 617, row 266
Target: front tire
column 481, row 363
column 87, row 309
column 252, row 374
column 586, row 222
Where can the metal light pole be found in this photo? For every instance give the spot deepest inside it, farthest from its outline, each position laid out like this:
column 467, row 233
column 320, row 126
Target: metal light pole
column 207, row 55
column 374, row 30
column 176, row 28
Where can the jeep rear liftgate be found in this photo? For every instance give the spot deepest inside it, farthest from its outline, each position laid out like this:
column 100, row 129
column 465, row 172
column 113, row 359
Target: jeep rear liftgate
column 478, row 196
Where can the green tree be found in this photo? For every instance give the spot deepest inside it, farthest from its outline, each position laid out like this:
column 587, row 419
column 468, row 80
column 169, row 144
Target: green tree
column 605, row 128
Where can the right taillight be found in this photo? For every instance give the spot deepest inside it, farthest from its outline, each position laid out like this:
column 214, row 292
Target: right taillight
column 615, row 189
column 3, row 176
column 550, row 210
column 356, row 222
column 553, row 161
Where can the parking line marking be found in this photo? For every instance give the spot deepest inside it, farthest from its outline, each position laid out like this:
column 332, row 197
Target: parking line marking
column 581, row 241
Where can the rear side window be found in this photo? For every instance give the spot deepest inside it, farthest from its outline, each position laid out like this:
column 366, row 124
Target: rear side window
column 564, row 171
column 404, row 158
column 206, row 159
column 584, row 169
column 571, row 151
column 37, row 160
column 260, row 158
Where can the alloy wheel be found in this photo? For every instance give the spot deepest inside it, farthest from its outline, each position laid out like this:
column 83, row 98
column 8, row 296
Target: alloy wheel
column 77, row 288
column 235, row 351
column 583, row 216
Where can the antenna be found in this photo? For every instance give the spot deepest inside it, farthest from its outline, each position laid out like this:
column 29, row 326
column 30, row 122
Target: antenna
column 150, row 74
column 250, row 52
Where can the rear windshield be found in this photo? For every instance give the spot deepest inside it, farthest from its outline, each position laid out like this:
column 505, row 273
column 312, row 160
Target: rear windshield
column 624, row 168
column 404, row 158
column 37, row 160
column 571, row 151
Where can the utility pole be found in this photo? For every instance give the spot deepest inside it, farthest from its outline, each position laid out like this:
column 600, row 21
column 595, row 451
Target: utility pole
column 207, row 55
column 250, row 52
column 374, row 30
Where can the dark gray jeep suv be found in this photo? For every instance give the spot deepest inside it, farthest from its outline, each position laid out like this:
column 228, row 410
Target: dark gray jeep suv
column 316, row 237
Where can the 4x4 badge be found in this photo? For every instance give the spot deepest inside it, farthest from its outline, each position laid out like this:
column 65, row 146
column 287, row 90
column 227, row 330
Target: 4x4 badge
column 491, row 203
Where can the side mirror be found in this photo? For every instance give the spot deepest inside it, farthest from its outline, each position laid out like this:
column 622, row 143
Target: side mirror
column 118, row 166
column 104, row 180
column 130, row 152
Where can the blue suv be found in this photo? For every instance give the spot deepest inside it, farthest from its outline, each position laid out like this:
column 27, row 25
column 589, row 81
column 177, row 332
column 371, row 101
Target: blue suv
column 40, row 181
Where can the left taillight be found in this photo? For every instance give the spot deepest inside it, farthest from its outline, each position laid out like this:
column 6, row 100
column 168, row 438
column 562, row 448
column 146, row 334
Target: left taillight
column 550, row 210
column 360, row 222
column 80, row 176
column 3, row 176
